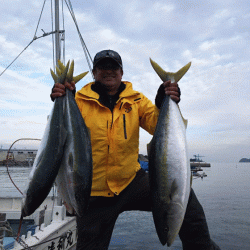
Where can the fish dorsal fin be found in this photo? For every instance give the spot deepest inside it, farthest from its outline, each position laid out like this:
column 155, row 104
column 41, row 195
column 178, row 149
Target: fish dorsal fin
column 166, row 76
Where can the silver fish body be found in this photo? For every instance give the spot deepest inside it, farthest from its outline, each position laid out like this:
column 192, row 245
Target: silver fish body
column 47, row 161
column 169, row 169
column 169, row 172
column 74, row 179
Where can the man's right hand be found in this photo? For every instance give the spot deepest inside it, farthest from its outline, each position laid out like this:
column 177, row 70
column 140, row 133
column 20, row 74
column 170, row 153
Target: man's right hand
column 59, row 89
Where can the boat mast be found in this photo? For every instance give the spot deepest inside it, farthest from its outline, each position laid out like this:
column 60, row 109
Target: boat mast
column 57, row 34
column 58, row 53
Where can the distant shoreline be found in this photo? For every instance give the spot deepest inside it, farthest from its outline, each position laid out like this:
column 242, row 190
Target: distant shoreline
column 13, row 163
column 244, row 160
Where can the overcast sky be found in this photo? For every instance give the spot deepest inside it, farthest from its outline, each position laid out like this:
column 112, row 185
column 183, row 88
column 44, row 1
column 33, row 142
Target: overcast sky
column 213, row 35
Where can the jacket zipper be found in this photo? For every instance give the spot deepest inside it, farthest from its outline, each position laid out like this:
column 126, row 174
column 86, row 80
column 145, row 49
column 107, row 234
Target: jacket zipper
column 124, row 126
column 110, row 126
column 107, row 130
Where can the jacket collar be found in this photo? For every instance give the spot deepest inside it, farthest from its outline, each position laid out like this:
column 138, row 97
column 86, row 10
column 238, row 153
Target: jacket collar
column 87, row 93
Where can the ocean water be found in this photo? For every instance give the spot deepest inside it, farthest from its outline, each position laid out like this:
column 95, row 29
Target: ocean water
column 224, row 195
column 20, row 177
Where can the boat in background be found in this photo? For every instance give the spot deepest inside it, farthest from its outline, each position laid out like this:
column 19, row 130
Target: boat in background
column 45, row 229
column 50, row 226
column 197, row 162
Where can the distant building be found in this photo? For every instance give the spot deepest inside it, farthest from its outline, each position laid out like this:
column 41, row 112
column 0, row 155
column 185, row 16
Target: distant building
column 18, row 156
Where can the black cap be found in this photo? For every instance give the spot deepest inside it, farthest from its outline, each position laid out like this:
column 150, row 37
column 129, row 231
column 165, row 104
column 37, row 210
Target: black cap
column 107, row 54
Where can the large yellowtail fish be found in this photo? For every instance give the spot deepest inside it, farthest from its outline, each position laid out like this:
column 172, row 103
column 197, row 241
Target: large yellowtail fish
column 48, row 158
column 169, row 168
column 74, row 178
column 51, row 151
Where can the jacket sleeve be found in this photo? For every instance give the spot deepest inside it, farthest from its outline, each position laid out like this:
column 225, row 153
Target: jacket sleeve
column 148, row 114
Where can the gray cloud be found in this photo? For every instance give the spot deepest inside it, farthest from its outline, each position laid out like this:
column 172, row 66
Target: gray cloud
column 214, row 35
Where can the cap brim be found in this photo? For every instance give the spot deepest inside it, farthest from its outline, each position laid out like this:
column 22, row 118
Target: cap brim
column 107, row 58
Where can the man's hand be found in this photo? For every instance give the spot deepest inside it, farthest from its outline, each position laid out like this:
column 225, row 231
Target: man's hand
column 59, row 89
column 172, row 90
column 167, row 88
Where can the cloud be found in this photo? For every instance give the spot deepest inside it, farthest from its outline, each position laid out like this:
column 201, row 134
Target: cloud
column 213, row 35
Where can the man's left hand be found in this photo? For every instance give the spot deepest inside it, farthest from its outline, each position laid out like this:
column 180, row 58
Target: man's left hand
column 172, row 89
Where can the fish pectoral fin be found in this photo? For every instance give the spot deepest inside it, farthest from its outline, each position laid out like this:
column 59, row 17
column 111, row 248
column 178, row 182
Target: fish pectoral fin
column 173, row 190
column 79, row 77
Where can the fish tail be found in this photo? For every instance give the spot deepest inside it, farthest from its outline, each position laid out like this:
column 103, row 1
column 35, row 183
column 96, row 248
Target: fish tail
column 181, row 72
column 70, row 72
column 62, row 77
column 166, row 76
column 58, row 71
column 61, row 66
column 79, row 77
column 54, row 76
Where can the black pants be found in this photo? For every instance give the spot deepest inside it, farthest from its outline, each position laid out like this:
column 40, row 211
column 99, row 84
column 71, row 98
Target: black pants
column 96, row 226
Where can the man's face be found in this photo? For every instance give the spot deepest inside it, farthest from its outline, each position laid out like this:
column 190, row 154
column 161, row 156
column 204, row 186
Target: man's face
column 109, row 73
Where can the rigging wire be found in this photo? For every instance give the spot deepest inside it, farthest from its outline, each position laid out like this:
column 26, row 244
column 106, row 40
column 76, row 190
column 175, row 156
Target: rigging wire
column 85, row 49
column 34, row 38
column 40, row 17
column 52, row 28
column 17, row 56
column 63, row 35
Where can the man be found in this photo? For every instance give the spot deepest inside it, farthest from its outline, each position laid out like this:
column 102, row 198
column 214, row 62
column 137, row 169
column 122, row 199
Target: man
column 113, row 112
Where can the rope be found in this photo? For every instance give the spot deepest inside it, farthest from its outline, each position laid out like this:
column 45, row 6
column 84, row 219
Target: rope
column 7, row 161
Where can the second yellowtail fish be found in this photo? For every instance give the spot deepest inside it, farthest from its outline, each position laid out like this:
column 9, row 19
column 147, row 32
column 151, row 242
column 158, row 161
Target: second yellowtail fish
column 169, row 169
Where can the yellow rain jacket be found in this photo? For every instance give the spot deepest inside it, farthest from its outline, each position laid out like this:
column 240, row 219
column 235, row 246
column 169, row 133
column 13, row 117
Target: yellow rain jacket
column 115, row 136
